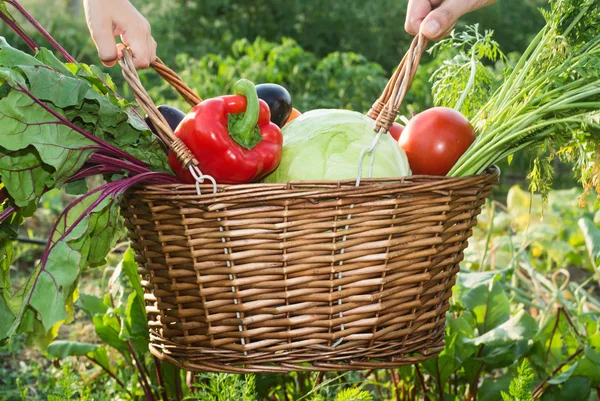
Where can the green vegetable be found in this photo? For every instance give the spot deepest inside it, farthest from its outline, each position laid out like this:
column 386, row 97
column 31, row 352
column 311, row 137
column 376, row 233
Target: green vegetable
column 326, row 145
column 60, row 124
column 548, row 102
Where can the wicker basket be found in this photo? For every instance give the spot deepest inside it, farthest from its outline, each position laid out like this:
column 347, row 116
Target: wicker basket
column 304, row 275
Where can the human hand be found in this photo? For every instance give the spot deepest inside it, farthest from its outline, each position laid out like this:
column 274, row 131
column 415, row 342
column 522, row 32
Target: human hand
column 109, row 18
column 436, row 18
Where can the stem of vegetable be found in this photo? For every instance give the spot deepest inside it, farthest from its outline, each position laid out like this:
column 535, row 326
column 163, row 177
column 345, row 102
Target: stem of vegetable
column 19, row 31
column 243, row 131
column 94, row 170
column 553, row 332
column 440, row 387
column 422, row 382
column 6, row 213
column 41, row 30
column 178, row 390
column 395, row 384
column 118, row 163
column 471, row 82
column 159, row 379
column 145, row 386
column 518, row 71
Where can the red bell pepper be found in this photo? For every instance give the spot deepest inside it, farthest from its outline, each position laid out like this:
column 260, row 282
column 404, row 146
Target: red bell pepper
column 232, row 138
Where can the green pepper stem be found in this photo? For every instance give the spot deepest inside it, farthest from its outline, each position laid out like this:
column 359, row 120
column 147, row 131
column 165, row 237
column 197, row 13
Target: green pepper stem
column 243, row 130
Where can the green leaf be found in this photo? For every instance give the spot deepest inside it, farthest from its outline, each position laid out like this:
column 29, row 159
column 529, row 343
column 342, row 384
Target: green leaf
column 520, row 387
column 445, row 363
column 464, row 330
column 100, row 356
column 575, row 389
column 91, row 305
column 490, row 304
column 130, row 268
column 520, row 327
column 6, row 318
column 24, row 175
column 492, row 386
column 588, row 369
column 50, row 288
column 26, row 125
column 78, row 187
column 107, row 328
column 63, row 349
column 135, row 328
column 43, row 80
column 48, row 58
column 564, row 376
column 591, row 234
column 592, row 349
column 9, row 56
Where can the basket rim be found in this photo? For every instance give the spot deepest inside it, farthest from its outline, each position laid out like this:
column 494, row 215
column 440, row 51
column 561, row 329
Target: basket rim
column 491, row 175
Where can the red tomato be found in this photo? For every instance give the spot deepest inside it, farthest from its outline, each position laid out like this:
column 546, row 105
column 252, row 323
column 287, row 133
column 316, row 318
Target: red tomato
column 435, row 139
column 396, row 130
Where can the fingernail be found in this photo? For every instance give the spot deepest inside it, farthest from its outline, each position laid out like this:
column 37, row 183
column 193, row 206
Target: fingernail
column 431, row 28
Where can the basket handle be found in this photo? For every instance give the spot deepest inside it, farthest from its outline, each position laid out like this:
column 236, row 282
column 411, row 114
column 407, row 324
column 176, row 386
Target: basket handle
column 163, row 130
column 385, row 109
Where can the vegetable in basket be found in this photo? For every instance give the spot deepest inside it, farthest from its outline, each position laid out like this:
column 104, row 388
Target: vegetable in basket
column 326, row 144
column 294, row 115
column 396, row 130
column 435, row 139
column 279, row 101
column 173, row 116
column 232, row 138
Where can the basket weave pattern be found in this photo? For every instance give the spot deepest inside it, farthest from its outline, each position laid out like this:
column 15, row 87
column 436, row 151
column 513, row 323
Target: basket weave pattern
column 302, row 276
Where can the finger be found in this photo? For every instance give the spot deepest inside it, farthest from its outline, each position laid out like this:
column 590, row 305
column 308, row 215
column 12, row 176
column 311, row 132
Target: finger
column 416, row 12
column 441, row 20
column 106, row 44
column 139, row 48
column 152, row 49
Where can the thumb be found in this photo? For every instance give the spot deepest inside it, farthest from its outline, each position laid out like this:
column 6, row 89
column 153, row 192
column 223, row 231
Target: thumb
column 441, row 20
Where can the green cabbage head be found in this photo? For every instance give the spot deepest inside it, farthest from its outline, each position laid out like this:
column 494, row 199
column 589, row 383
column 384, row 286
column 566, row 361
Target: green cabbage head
column 326, row 145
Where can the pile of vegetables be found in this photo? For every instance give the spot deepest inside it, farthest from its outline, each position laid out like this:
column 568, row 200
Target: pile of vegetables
column 61, row 123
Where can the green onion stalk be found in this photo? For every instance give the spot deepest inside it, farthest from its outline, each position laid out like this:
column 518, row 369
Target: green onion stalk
column 550, row 100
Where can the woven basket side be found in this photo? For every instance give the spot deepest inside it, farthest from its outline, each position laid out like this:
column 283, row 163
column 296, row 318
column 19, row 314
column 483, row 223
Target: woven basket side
column 301, row 282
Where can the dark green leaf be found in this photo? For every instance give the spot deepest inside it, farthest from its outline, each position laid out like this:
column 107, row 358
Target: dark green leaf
column 575, row 389
column 91, row 305
column 108, row 328
column 492, row 386
column 564, row 376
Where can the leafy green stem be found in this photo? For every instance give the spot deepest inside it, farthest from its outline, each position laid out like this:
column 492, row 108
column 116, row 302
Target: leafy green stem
column 471, row 82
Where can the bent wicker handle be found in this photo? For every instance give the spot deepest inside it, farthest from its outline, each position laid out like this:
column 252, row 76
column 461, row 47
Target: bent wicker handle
column 162, row 128
column 176, row 82
column 385, row 109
